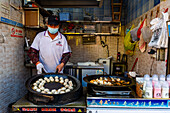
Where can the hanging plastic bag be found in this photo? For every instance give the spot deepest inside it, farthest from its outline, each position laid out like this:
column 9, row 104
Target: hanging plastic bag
column 159, row 38
column 157, row 31
column 129, row 46
column 165, row 32
column 155, row 37
column 133, row 33
column 146, row 33
column 139, row 30
column 142, row 43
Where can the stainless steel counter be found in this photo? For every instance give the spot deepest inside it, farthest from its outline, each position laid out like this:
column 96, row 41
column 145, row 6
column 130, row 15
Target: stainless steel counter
column 80, row 70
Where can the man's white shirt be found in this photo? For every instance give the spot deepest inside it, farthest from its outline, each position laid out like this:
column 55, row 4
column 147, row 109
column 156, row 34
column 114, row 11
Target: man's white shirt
column 50, row 51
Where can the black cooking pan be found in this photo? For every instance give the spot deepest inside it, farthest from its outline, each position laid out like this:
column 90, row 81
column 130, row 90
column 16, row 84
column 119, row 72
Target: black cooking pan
column 57, row 99
column 105, row 89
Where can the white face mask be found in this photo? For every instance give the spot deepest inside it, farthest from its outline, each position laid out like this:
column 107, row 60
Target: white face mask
column 52, row 30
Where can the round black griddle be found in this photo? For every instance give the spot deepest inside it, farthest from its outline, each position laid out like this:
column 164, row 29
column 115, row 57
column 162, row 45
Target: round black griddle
column 94, row 89
column 53, row 85
column 56, row 99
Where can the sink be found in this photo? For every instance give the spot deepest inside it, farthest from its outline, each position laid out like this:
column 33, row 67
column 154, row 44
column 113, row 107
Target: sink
column 87, row 64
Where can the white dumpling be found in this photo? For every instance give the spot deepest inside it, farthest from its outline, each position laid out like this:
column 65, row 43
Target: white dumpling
column 56, row 92
column 56, row 80
column 40, row 79
column 35, row 84
column 41, row 84
column 66, row 86
column 43, row 81
column 61, row 81
column 51, row 77
column 61, row 78
column 48, row 80
column 43, row 92
column 38, row 90
column 66, row 80
column 46, row 90
column 70, row 87
column 35, row 87
column 101, row 78
column 45, row 78
column 70, row 82
column 59, row 90
column 95, row 82
column 62, row 92
column 56, row 77
column 49, row 92
column 105, row 78
column 101, row 82
column 42, row 88
column 63, row 88
column 53, row 91
column 67, row 90
column 52, row 80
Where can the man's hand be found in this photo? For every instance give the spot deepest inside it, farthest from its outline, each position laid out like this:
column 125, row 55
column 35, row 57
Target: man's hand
column 60, row 67
column 39, row 67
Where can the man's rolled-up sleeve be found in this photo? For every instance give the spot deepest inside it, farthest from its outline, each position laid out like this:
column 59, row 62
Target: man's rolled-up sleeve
column 65, row 57
column 33, row 55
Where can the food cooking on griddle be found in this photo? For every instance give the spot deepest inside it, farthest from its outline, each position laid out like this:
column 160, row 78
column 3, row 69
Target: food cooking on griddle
column 109, row 81
column 64, row 85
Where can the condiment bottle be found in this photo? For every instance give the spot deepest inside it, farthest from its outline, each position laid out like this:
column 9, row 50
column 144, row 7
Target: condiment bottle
column 165, row 90
column 154, row 79
column 148, row 90
column 157, row 90
column 145, row 79
column 168, row 79
column 162, row 79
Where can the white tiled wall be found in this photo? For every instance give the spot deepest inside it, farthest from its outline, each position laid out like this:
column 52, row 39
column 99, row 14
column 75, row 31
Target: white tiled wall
column 13, row 73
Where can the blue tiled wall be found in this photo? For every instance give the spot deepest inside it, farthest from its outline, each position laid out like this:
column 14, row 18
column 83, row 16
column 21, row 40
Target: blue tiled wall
column 131, row 9
column 136, row 8
column 100, row 13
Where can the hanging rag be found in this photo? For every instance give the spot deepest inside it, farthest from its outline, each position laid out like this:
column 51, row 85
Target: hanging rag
column 142, row 43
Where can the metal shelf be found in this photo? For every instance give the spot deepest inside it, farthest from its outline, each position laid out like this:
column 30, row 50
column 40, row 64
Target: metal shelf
column 97, row 34
column 81, row 21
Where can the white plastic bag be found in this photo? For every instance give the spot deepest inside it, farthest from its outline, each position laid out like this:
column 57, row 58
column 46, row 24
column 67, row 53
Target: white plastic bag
column 159, row 38
column 165, row 33
column 155, row 37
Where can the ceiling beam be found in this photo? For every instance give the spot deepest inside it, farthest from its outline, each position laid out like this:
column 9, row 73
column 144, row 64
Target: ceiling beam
column 68, row 3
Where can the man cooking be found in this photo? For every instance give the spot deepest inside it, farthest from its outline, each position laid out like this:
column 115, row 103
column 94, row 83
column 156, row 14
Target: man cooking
column 49, row 50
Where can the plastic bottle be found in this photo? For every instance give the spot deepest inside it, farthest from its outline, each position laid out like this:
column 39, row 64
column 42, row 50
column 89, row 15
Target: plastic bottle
column 162, row 79
column 145, row 79
column 157, row 90
column 168, row 79
column 148, row 90
column 154, row 79
column 165, row 90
